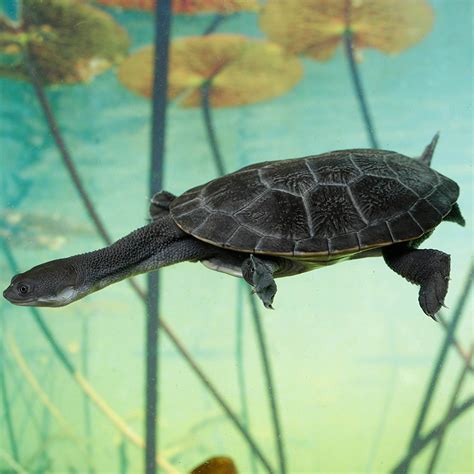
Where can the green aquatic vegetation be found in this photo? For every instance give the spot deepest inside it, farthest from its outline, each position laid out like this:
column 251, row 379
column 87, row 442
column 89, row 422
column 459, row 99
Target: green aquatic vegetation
column 315, row 28
column 417, row 442
column 216, row 465
column 187, row 7
column 68, row 40
column 158, row 125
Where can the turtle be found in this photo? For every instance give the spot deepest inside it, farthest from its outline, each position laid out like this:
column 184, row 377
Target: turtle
column 275, row 219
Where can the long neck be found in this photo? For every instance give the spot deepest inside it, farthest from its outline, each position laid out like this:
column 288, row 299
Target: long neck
column 141, row 251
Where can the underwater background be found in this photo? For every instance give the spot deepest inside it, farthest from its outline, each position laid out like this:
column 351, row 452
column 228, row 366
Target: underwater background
column 363, row 381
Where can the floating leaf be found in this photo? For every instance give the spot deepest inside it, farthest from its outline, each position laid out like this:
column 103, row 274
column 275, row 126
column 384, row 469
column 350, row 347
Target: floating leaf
column 240, row 70
column 316, row 27
column 216, row 465
column 68, row 41
column 189, row 7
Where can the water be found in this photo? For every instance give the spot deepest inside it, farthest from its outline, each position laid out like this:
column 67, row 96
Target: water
column 351, row 350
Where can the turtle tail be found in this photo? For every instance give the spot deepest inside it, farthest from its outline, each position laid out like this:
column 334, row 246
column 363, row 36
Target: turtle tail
column 427, row 154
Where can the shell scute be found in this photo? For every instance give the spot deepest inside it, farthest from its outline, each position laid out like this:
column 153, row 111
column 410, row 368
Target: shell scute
column 276, row 214
column 233, row 193
column 375, row 235
column 221, row 224
column 333, row 168
column 243, row 239
column 372, row 162
column 294, row 178
column 425, row 214
column 403, row 227
column 381, row 198
column 344, row 242
column 332, row 212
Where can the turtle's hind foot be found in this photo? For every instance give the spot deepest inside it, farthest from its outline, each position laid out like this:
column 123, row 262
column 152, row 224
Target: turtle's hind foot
column 427, row 268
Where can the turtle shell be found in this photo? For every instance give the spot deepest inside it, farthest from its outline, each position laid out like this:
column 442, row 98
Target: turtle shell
column 337, row 203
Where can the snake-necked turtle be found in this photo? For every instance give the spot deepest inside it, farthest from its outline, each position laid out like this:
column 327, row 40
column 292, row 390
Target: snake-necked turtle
column 275, row 219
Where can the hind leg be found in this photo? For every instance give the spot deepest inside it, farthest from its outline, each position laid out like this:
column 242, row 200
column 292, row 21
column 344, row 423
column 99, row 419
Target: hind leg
column 427, row 268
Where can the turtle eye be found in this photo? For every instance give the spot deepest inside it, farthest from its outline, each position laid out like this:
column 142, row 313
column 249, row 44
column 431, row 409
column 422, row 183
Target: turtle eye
column 23, row 288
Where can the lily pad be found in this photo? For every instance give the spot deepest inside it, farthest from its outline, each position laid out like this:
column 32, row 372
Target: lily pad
column 188, row 7
column 216, row 465
column 240, row 70
column 316, row 27
column 68, row 41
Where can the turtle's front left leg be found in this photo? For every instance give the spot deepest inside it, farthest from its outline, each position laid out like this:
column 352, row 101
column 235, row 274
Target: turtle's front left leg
column 259, row 274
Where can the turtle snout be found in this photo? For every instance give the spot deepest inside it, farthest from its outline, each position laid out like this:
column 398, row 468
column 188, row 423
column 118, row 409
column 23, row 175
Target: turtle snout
column 8, row 293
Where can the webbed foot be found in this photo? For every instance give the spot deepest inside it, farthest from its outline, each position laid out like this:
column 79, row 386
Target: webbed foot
column 433, row 291
column 427, row 268
column 259, row 274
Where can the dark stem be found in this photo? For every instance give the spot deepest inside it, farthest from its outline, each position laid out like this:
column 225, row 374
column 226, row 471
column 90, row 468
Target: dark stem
column 163, row 325
column 205, row 88
column 160, row 88
column 239, row 356
column 421, row 443
column 218, row 19
column 65, row 155
column 405, row 465
column 359, row 90
column 123, row 458
column 6, row 409
column 444, row 424
column 270, row 385
column 211, row 134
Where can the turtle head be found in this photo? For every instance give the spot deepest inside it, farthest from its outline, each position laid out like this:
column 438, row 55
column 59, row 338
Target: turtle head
column 54, row 283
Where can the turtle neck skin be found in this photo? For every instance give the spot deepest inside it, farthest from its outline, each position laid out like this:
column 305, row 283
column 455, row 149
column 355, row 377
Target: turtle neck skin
column 63, row 281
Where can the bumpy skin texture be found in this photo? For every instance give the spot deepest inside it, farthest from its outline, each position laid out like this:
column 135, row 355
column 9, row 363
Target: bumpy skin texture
column 427, row 268
column 331, row 204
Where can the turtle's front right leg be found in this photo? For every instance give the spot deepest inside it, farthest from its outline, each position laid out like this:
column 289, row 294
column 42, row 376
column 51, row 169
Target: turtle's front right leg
column 259, row 274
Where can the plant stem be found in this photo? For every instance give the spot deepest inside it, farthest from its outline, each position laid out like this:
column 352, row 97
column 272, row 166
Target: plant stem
column 422, row 442
column 211, row 134
column 218, row 161
column 158, row 126
column 239, row 356
column 458, row 312
column 444, row 423
column 358, row 89
column 6, row 409
column 218, row 19
column 179, row 346
column 270, row 385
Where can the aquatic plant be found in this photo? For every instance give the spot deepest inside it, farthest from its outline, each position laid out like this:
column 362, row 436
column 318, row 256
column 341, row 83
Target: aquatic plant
column 220, row 70
column 158, row 126
column 69, row 42
column 188, row 7
column 417, row 442
column 315, row 28
column 216, row 465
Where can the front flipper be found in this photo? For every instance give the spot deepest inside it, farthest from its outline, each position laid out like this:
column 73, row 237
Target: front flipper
column 259, row 274
column 160, row 204
column 427, row 268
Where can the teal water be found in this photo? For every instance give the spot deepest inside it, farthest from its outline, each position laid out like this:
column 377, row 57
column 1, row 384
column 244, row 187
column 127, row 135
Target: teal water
column 351, row 350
